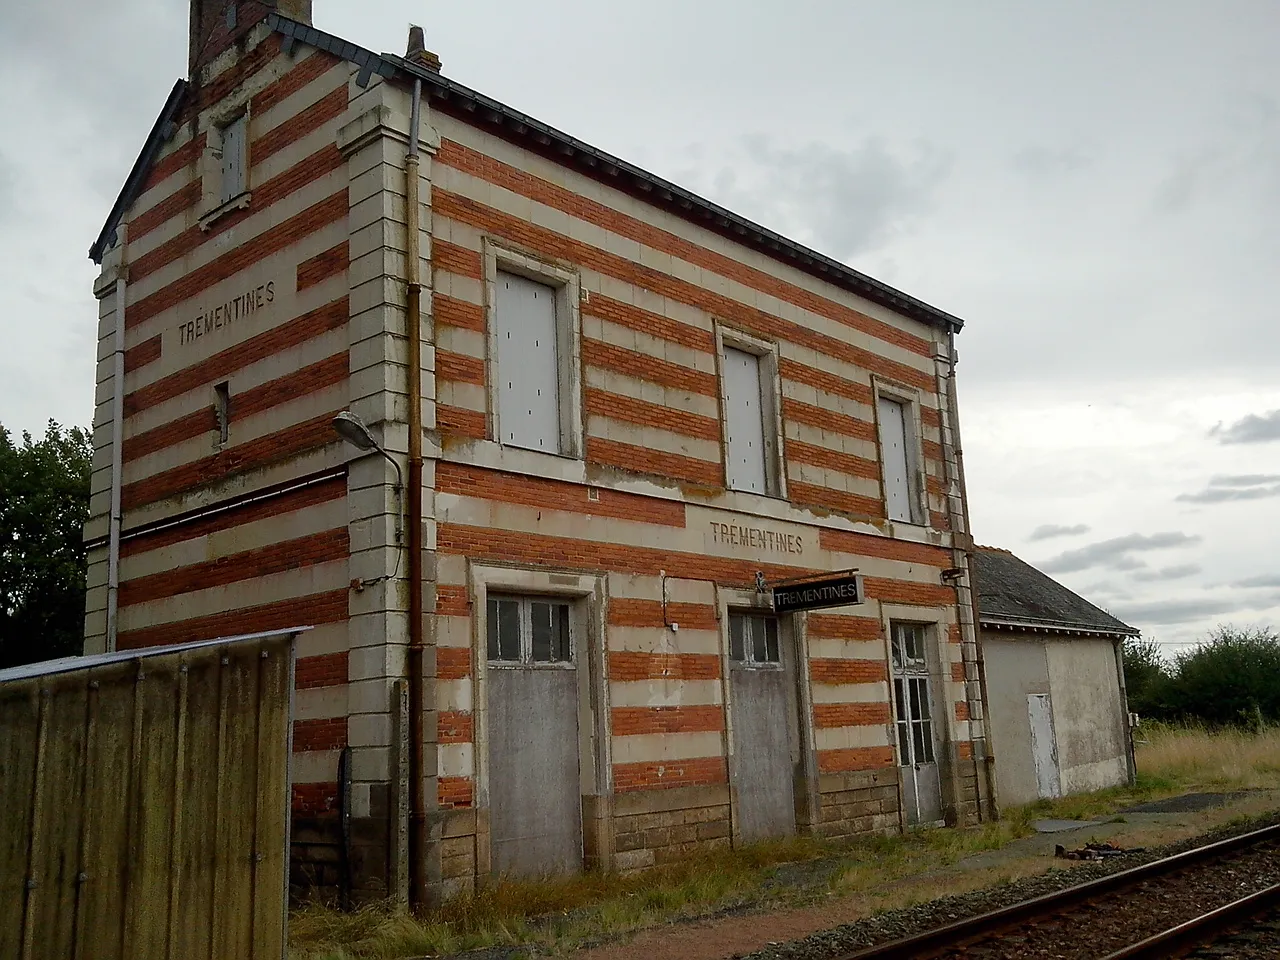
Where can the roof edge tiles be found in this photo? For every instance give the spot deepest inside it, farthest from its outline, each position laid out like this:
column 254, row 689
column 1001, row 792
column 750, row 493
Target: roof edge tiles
column 1013, row 595
column 519, row 128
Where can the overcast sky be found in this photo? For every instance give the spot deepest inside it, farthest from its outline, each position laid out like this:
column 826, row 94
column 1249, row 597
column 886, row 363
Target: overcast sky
column 1093, row 186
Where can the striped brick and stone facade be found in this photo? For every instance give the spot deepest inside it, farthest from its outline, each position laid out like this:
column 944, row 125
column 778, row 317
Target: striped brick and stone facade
column 248, row 324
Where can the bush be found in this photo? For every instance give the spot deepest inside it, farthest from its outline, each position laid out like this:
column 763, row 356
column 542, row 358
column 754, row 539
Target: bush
column 1146, row 677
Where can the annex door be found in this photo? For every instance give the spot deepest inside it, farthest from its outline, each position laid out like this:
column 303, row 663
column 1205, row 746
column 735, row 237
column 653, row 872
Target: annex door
column 1044, row 748
column 917, row 735
column 535, row 805
column 764, row 728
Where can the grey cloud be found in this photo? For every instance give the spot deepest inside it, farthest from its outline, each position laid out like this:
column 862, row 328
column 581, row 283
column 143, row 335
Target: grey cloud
column 1048, row 530
column 1114, row 553
column 1264, row 580
column 1176, row 572
column 1253, row 428
column 849, row 200
column 1188, row 609
column 1224, row 494
column 1244, row 479
column 1177, row 191
column 1105, row 590
column 1044, row 162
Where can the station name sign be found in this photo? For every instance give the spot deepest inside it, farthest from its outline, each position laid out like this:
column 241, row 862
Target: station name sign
column 215, row 316
column 836, row 591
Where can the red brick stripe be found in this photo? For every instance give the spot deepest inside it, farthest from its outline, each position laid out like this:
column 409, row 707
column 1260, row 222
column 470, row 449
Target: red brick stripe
column 303, row 73
column 835, row 672
column 333, row 104
column 289, row 334
column 459, row 367
column 836, row 627
column 452, row 312
column 313, row 610
column 314, row 799
column 453, row 663
column 519, row 181
column 509, row 545
column 470, row 481
column 326, row 670
column 658, row 774
column 143, row 353
column 627, row 665
column 905, row 591
column 237, row 516
column 637, row 459
column 827, row 715
column 451, row 600
column 282, row 445
column 964, row 750
column 810, row 494
column 642, row 366
column 626, row 612
column 826, row 419
column 182, row 156
column 819, row 456
column 454, row 726
column 636, row 721
column 654, row 324
column 957, row 671
column 184, row 198
column 310, row 379
column 319, row 164
column 931, row 417
column 237, row 567
column 455, row 791
column 962, row 709
column 853, row 759
column 250, row 63
column 461, row 422
column 821, row 380
column 456, row 259
column 322, row 266
column 863, row 544
column 615, row 406
column 319, row 734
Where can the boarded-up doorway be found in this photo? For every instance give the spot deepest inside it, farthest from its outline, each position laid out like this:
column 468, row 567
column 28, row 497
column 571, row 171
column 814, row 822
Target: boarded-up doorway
column 917, row 733
column 1044, row 747
column 761, row 686
column 535, row 805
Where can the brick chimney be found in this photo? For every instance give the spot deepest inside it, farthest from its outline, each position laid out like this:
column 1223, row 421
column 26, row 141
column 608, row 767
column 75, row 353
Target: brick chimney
column 417, row 51
column 217, row 24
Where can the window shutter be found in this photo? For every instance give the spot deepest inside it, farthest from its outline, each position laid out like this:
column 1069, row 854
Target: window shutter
column 528, row 364
column 234, row 158
column 896, row 460
column 744, row 422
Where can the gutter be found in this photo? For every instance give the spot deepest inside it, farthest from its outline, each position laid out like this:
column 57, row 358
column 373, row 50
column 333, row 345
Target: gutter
column 416, row 653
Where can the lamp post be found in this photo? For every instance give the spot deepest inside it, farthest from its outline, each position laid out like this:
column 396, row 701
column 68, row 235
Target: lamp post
column 353, row 430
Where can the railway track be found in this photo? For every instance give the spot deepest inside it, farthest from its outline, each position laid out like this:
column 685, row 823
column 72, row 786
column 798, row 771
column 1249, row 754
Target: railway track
column 1167, row 908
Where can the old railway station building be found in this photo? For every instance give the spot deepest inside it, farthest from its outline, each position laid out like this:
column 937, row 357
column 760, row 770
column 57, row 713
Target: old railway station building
column 589, row 420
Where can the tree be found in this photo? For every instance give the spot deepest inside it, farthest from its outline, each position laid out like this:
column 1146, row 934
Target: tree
column 1146, row 677
column 44, row 502
column 1233, row 679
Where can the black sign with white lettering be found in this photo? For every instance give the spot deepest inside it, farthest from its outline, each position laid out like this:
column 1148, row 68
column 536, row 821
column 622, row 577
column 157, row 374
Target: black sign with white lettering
column 816, row 594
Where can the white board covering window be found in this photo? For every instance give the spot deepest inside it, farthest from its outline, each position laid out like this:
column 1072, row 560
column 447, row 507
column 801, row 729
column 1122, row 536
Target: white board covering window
column 235, row 155
column 744, row 422
column 528, row 364
column 895, row 449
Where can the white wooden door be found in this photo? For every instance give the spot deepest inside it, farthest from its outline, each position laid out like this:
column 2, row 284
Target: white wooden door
column 1044, row 751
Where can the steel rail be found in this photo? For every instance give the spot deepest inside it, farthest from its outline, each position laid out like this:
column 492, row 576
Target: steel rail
column 931, row 942
column 1195, row 933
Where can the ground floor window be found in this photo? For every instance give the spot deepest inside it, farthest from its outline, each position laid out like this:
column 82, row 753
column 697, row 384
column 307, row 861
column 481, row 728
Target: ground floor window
column 915, row 724
column 753, row 639
column 529, row 630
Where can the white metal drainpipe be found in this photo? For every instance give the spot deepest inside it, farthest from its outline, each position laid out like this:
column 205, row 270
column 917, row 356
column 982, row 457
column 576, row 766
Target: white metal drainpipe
column 117, row 458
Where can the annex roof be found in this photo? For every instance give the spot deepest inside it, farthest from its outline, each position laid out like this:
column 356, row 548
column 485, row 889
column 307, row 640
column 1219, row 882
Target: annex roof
column 1012, row 594
column 512, row 125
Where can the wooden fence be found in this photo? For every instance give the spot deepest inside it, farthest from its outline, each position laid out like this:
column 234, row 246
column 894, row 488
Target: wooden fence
column 144, row 803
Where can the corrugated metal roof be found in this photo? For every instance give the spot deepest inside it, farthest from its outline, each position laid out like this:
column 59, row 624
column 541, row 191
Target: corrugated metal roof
column 1012, row 593
column 68, row 664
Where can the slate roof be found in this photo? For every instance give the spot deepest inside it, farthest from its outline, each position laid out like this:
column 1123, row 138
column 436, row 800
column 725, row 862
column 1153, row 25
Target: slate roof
column 512, row 125
column 1013, row 594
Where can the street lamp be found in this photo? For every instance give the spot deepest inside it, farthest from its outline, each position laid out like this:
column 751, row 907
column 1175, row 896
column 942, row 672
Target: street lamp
column 353, row 430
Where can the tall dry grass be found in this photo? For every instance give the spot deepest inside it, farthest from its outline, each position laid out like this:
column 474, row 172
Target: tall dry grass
column 1196, row 757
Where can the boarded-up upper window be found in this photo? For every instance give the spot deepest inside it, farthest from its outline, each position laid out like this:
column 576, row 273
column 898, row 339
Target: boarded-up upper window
column 744, row 422
column 235, row 157
column 897, row 456
column 528, row 364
